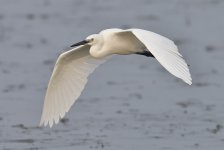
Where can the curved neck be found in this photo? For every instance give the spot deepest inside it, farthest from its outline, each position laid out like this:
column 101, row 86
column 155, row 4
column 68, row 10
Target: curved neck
column 96, row 50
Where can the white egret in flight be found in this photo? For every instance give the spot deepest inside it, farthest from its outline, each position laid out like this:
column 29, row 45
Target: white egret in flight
column 73, row 67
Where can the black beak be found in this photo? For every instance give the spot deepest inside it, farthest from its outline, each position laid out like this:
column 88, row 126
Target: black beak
column 80, row 43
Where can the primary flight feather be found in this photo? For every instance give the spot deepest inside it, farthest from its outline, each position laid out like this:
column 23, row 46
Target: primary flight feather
column 73, row 67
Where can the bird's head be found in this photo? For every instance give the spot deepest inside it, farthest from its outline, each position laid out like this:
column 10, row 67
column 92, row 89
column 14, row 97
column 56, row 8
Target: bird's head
column 90, row 40
column 95, row 41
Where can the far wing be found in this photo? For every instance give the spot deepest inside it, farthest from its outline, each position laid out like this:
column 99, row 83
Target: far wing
column 166, row 52
column 68, row 79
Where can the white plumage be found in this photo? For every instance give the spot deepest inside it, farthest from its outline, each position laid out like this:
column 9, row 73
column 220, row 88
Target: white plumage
column 73, row 67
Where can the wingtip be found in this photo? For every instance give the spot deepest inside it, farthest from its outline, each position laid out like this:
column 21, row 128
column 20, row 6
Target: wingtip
column 189, row 82
column 46, row 123
column 50, row 122
column 41, row 122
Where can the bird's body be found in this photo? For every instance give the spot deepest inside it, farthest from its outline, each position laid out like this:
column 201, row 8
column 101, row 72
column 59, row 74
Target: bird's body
column 73, row 67
column 115, row 41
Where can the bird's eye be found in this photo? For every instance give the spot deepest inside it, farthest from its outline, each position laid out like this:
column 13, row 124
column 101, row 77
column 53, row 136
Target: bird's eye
column 91, row 39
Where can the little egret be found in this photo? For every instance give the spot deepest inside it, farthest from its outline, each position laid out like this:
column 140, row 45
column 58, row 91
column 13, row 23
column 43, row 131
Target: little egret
column 73, row 67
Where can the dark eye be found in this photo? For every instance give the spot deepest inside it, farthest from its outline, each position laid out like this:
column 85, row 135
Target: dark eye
column 91, row 39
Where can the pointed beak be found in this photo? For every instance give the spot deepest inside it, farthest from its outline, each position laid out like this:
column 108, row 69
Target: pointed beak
column 80, row 43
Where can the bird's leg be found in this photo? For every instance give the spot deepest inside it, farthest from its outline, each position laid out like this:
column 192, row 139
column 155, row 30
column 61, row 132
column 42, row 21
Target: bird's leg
column 145, row 53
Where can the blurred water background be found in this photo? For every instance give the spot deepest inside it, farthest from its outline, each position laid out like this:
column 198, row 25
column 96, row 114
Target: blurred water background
column 130, row 102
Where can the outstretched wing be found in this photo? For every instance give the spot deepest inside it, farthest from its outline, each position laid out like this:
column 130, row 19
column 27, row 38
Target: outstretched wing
column 166, row 52
column 68, row 79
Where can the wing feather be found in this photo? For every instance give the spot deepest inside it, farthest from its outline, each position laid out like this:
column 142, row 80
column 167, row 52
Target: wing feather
column 166, row 52
column 68, row 80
